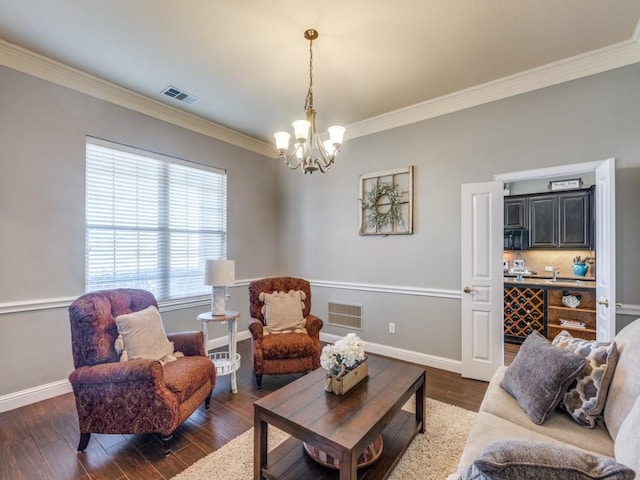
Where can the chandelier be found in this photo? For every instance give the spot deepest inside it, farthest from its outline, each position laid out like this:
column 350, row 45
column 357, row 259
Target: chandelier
column 309, row 153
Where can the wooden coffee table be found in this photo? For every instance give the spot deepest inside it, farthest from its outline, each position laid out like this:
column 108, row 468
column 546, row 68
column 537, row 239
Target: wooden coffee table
column 340, row 425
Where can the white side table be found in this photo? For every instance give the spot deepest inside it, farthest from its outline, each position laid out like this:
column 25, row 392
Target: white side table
column 226, row 363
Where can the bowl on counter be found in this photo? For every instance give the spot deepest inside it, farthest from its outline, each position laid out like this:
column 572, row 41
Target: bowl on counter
column 571, row 301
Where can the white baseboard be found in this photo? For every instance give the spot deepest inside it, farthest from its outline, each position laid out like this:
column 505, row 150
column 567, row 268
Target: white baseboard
column 425, row 359
column 33, row 395
column 22, row 398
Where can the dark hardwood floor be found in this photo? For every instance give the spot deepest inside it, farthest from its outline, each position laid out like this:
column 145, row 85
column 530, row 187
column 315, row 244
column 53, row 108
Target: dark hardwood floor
column 39, row 441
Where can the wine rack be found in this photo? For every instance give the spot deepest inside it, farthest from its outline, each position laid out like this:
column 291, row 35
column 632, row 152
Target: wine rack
column 523, row 313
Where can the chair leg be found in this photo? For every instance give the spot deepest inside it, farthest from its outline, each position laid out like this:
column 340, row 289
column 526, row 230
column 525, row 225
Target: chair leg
column 84, row 441
column 166, row 442
column 207, row 401
column 259, row 381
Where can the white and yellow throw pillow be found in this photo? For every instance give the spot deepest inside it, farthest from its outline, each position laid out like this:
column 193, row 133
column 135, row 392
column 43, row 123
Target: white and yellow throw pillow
column 142, row 335
column 283, row 311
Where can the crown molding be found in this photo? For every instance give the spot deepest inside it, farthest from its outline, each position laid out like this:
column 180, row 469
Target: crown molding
column 26, row 61
column 597, row 61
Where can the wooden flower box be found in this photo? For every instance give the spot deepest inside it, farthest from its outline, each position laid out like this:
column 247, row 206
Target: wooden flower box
column 343, row 383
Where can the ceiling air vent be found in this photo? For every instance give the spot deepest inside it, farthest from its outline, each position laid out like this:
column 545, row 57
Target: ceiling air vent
column 179, row 95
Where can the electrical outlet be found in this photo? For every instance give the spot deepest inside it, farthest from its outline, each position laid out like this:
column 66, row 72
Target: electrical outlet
column 392, row 327
column 548, row 269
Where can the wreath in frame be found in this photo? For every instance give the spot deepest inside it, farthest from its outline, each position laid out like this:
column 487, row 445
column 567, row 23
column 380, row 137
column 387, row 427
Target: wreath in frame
column 377, row 217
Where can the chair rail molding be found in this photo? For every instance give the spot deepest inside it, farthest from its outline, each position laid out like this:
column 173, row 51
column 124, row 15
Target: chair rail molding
column 205, row 300
column 392, row 289
column 34, row 305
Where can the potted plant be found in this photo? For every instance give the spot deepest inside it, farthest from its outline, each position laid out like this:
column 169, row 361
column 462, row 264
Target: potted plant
column 581, row 265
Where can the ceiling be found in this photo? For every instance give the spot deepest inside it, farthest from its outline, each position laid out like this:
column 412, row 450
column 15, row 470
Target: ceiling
column 247, row 60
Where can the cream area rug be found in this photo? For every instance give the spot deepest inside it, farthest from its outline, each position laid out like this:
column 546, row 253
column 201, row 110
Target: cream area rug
column 432, row 456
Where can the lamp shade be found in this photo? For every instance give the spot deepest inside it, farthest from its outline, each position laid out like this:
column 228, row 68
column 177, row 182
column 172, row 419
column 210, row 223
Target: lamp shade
column 282, row 140
column 220, row 272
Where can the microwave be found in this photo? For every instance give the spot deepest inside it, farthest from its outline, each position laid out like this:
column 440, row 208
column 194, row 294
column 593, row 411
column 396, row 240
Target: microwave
column 517, row 239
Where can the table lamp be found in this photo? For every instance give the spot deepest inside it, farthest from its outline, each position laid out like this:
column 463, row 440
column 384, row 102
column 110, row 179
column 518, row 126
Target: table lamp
column 219, row 274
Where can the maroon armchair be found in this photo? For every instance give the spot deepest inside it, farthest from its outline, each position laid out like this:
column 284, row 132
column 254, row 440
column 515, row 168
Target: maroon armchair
column 136, row 396
column 276, row 354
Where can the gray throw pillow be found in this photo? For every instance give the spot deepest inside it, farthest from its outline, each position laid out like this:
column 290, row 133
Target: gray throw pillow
column 515, row 459
column 539, row 376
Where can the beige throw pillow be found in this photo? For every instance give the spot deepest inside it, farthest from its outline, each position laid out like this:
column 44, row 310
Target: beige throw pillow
column 142, row 335
column 283, row 311
column 586, row 396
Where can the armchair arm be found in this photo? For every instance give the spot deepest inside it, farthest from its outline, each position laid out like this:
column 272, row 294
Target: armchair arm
column 140, row 369
column 256, row 328
column 124, row 397
column 189, row 343
column 313, row 325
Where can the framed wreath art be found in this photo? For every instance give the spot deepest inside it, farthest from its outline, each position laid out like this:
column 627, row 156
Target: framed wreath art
column 386, row 200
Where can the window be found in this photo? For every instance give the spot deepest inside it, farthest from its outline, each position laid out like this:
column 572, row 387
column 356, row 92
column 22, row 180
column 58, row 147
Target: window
column 151, row 221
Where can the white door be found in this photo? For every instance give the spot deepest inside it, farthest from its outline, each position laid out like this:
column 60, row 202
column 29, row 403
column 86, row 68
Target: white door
column 606, row 254
column 482, row 297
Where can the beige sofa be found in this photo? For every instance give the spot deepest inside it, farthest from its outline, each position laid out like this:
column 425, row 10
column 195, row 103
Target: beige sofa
column 615, row 436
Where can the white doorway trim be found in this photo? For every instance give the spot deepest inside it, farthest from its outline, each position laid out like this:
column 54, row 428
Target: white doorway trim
column 549, row 172
column 605, row 208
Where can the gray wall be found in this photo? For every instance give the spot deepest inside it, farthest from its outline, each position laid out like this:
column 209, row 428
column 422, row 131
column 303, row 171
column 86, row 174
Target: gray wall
column 42, row 159
column 590, row 119
column 283, row 222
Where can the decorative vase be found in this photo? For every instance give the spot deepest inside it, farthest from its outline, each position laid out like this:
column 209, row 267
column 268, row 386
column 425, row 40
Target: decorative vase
column 342, row 383
column 580, row 269
column 569, row 300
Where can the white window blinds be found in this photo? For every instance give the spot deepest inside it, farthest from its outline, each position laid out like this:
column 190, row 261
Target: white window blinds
column 151, row 221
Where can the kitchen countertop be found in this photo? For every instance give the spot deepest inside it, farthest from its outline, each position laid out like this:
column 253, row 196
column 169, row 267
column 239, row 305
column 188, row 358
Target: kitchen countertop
column 561, row 282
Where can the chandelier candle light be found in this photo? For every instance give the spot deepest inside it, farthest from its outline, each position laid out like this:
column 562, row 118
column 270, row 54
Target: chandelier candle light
column 220, row 274
column 308, row 143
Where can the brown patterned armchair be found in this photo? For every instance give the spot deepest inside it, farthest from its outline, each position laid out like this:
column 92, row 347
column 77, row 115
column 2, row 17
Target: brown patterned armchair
column 136, row 396
column 276, row 354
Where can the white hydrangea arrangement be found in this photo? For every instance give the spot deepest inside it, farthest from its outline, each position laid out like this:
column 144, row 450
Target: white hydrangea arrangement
column 346, row 354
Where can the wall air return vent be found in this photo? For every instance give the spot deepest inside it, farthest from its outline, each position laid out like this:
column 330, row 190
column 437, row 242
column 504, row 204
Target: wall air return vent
column 342, row 315
column 180, row 96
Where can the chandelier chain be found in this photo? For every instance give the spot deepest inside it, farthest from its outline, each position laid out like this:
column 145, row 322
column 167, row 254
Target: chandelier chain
column 308, row 104
column 309, row 152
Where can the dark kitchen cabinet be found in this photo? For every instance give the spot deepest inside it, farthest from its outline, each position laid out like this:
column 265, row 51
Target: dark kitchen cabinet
column 543, row 215
column 516, row 213
column 575, row 227
column 561, row 220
